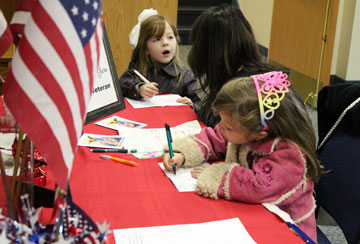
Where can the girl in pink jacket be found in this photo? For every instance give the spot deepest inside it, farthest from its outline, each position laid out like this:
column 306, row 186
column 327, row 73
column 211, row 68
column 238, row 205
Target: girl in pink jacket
column 267, row 143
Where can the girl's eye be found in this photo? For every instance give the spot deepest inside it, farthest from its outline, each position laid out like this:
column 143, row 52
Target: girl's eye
column 228, row 128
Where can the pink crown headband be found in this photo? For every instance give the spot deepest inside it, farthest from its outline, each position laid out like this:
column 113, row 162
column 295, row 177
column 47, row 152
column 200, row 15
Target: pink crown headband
column 271, row 92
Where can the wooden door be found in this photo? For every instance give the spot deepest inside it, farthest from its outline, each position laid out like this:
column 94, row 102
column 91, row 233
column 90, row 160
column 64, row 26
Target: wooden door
column 298, row 42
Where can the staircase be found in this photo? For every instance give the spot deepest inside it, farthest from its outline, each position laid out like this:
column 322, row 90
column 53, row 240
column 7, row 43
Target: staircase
column 188, row 11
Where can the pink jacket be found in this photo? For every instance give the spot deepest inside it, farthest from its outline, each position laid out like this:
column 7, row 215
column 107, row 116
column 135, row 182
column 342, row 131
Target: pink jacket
column 268, row 172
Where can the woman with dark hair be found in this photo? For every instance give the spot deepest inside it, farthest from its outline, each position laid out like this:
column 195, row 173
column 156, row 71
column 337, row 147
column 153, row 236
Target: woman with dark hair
column 224, row 47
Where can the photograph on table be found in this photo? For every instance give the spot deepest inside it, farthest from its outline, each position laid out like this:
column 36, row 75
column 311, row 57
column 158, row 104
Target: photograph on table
column 103, row 141
column 116, row 122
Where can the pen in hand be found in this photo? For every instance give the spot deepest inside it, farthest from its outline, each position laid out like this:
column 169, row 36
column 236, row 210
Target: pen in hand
column 169, row 139
column 141, row 76
column 119, row 160
column 133, row 70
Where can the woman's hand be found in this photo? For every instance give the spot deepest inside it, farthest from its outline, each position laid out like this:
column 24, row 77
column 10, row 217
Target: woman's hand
column 185, row 100
column 149, row 90
column 178, row 160
column 197, row 171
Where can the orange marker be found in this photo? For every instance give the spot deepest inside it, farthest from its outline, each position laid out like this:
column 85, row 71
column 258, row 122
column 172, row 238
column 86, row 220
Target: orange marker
column 119, row 160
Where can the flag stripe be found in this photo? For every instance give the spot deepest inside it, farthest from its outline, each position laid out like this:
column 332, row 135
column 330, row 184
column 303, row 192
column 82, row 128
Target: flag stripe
column 65, row 25
column 46, row 79
column 31, row 123
column 3, row 23
column 6, row 38
column 20, row 18
column 43, row 104
column 43, row 20
column 51, row 77
column 43, row 48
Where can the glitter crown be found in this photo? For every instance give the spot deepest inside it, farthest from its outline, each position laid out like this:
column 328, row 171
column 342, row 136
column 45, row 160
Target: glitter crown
column 270, row 93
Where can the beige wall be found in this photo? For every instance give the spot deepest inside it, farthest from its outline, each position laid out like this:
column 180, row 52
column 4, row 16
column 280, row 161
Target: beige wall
column 353, row 72
column 343, row 38
column 346, row 54
column 259, row 14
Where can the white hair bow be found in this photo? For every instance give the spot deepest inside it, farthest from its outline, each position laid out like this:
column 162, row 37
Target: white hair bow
column 134, row 34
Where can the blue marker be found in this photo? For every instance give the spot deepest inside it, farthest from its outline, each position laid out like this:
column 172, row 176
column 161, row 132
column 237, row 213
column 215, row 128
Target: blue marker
column 169, row 139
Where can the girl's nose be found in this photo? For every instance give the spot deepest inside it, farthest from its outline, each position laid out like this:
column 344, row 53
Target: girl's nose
column 165, row 42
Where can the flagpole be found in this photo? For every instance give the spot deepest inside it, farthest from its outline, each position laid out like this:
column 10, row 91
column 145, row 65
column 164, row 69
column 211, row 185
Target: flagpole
column 6, row 188
column 22, row 169
column 16, row 161
column 31, row 190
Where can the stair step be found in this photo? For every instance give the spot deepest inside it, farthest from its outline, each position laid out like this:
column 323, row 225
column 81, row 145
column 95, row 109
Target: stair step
column 188, row 12
column 188, row 16
column 191, row 9
column 183, row 28
column 202, row 2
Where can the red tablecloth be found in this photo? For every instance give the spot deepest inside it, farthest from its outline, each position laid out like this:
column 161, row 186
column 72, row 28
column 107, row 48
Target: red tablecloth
column 143, row 196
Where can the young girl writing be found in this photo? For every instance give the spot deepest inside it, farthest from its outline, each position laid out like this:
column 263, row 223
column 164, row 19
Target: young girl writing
column 155, row 55
column 267, row 141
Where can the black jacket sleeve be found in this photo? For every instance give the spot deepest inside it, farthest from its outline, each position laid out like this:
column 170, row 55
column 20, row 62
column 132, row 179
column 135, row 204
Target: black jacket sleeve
column 128, row 84
column 191, row 89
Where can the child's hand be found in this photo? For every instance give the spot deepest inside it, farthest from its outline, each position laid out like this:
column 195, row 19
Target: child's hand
column 197, row 171
column 178, row 159
column 185, row 100
column 149, row 90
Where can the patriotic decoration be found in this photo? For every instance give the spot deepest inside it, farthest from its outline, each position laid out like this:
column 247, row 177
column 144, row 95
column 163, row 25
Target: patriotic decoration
column 75, row 226
column 51, row 77
column 6, row 38
column 20, row 17
column 79, row 226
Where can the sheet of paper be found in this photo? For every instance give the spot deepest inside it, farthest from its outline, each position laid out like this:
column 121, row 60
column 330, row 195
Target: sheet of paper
column 143, row 143
column 183, row 180
column 229, row 231
column 156, row 101
column 154, row 139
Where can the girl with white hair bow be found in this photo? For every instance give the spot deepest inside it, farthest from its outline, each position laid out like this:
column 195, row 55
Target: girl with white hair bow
column 154, row 40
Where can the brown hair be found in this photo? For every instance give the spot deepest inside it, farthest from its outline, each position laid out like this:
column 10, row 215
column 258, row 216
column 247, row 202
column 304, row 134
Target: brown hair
column 238, row 97
column 154, row 26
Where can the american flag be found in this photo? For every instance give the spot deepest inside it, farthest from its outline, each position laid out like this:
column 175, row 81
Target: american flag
column 20, row 17
column 51, row 77
column 75, row 218
column 6, row 38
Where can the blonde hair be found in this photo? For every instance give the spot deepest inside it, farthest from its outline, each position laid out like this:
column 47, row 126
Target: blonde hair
column 154, row 26
column 238, row 97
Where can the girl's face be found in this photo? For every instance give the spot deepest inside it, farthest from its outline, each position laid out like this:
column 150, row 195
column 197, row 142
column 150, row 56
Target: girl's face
column 162, row 50
column 232, row 131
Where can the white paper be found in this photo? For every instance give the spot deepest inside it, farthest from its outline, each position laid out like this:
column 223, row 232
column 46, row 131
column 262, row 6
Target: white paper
column 143, row 143
column 154, row 140
column 156, row 101
column 104, row 91
column 276, row 210
column 229, row 231
column 183, row 180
